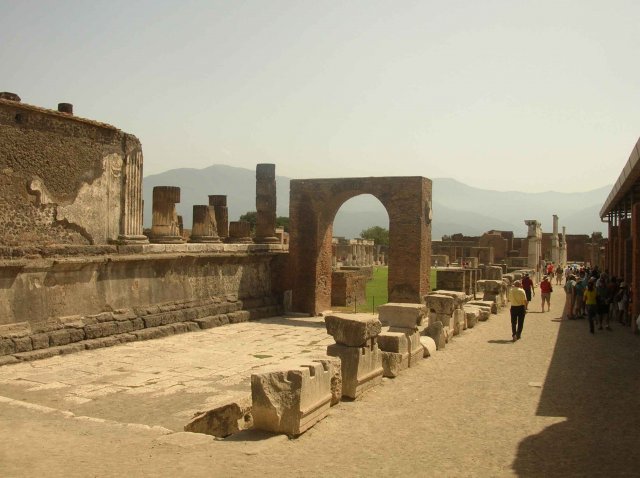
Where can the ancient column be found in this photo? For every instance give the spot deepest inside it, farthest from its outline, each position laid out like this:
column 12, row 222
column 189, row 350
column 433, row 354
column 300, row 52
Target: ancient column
column 219, row 203
column 555, row 243
column 266, row 204
column 239, row 232
column 534, row 239
column 563, row 247
column 204, row 224
column 635, row 264
column 131, row 210
column 165, row 228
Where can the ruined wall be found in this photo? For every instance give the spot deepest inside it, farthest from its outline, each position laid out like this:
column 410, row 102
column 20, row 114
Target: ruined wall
column 61, row 177
column 499, row 244
column 35, row 290
column 348, row 287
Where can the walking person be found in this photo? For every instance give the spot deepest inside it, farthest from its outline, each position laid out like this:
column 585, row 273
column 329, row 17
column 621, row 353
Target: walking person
column 591, row 303
column 559, row 274
column 621, row 303
column 579, row 296
column 602, row 299
column 519, row 303
column 528, row 286
column 545, row 292
column 570, row 297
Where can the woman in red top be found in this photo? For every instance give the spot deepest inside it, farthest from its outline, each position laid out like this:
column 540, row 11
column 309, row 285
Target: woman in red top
column 545, row 292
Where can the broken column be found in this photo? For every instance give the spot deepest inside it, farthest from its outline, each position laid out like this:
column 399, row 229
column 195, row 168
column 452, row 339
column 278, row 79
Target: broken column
column 165, row 228
column 400, row 345
column 293, row 400
column 266, row 204
column 204, row 224
column 534, row 244
column 356, row 346
column 239, row 232
column 555, row 242
column 131, row 213
column 219, row 203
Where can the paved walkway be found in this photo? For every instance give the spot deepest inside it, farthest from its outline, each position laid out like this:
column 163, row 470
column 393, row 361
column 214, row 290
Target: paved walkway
column 560, row 402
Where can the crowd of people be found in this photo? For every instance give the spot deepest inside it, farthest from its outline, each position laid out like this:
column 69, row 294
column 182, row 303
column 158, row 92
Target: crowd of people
column 591, row 294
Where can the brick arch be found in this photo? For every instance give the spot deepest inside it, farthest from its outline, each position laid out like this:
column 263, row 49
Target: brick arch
column 312, row 208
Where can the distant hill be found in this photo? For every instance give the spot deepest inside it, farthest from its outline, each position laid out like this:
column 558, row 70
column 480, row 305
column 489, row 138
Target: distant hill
column 456, row 206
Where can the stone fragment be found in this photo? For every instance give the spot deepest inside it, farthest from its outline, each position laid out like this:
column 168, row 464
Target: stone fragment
column 402, row 315
column 40, row 341
column 493, row 307
column 352, row 330
column 23, row 344
column 59, row 337
column 435, row 330
column 440, row 303
column 19, row 329
column 459, row 298
column 238, row 316
column 393, row 342
column 7, row 347
column 361, row 367
column 472, row 316
column 224, row 420
column 336, row 379
column 291, row 401
column 458, row 321
column 393, row 363
column 429, row 346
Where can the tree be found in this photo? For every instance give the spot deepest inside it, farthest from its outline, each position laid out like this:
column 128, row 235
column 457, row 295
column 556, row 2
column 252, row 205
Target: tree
column 251, row 218
column 379, row 235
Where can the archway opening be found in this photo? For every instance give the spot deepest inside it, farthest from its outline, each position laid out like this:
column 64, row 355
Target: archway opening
column 360, row 250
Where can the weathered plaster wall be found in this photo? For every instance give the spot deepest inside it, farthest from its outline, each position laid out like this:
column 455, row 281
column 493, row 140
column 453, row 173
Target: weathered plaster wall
column 60, row 177
column 35, row 290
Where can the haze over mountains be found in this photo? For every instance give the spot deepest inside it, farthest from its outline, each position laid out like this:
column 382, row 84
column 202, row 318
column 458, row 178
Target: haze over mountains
column 456, row 206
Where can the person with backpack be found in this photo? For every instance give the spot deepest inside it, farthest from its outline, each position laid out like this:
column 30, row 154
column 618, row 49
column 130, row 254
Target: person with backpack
column 591, row 303
column 579, row 288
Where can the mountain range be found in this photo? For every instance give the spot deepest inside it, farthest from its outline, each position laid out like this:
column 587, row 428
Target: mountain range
column 457, row 207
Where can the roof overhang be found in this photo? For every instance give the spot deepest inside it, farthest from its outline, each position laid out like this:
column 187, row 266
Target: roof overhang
column 628, row 183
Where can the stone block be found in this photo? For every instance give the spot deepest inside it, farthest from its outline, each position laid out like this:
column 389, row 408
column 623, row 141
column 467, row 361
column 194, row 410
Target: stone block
column 238, row 316
column 440, row 303
column 291, row 401
column 429, row 346
column 471, row 316
column 59, row 337
column 152, row 320
column 493, row 307
column 17, row 330
column 402, row 315
column 393, row 363
column 8, row 359
column 7, row 347
column 458, row 321
column 396, row 342
column 192, row 326
column 23, row 344
column 38, row 354
column 138, row 323
column 459, row 298
column 40, row 341
column 352, row 330
column 224, row 420
column 435, row 330
column 446, row 319
column 361, row 367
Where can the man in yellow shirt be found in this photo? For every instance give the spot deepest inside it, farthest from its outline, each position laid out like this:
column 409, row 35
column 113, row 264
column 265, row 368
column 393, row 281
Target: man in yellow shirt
column 519, row 302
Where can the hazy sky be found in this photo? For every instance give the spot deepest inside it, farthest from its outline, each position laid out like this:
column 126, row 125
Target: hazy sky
column 501, row 94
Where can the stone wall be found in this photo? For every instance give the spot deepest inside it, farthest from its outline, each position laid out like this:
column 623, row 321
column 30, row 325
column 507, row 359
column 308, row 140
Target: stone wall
column 62, row 178
column 36, row 289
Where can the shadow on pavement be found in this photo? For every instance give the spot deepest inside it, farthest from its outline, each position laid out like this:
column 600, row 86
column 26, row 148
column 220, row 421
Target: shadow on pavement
column 593, row 381
column 502, row 341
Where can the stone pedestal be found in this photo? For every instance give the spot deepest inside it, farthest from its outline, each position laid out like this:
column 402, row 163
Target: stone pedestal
column 219, row 203
column 204, row 227
column 239, row 232
column 165, row 228
column 291, row 401
column 266, row 204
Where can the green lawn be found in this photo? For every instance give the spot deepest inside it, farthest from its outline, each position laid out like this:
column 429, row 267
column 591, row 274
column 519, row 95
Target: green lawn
column 377, row 289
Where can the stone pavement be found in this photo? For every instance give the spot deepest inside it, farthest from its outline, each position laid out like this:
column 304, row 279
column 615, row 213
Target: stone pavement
column 560, row 402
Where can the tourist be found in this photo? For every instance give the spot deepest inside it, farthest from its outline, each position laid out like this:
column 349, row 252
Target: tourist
column 578, row 306
column 591, row 303
column 519, row 303
column 545, row 292
column 559, row 273
column 622, row 303
column 550, row 269
column 603, row 301
column 528, row 286
column 569, row 286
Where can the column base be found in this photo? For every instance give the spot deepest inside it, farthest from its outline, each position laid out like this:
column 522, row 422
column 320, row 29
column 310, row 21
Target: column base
column 167, row 240
column 134, row 239
column 238, row 240
column 266, row 240
column 205, row 239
